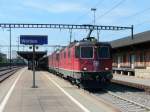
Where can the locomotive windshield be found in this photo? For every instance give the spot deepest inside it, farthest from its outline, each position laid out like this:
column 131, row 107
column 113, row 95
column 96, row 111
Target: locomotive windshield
column 86, row 52
column 103, row 52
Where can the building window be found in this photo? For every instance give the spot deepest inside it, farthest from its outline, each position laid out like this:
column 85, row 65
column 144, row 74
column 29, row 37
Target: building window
column 124, row 58
column 141, row 57
column 129, row 58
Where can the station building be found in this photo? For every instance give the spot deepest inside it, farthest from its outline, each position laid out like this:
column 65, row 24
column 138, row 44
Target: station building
column 132, row 56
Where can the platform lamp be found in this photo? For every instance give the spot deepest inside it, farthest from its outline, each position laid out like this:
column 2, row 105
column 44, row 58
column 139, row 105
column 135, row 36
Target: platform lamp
column 94, row 11
column 37, row 47
column 94, row 21
column 30, row 47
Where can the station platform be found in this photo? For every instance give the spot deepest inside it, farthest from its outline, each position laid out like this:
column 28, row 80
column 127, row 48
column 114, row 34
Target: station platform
column 132, row 81
column 52, row 95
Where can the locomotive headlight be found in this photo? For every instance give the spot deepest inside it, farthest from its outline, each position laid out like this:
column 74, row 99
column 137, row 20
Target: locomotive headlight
column 85, row 69
column 106, row 68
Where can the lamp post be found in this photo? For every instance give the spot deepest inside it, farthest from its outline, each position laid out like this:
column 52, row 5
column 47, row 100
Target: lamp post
column 94, row 11
column 34, row 86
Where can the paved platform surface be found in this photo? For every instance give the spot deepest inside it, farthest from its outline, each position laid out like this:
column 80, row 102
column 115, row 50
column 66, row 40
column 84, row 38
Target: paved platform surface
column 52, row 95
column 132, row 81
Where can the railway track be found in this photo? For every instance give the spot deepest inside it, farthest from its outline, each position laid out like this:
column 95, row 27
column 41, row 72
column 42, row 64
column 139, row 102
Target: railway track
column 6, row 72
column 124, row 104
column 126, row 99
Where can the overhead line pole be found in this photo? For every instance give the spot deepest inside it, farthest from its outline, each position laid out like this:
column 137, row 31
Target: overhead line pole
column 132, row 27
column 33, row 86
column 70, row 32
column 10, row 47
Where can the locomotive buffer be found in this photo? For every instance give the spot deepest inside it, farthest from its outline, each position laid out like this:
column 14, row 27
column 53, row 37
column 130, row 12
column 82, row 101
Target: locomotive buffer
column 33, row 40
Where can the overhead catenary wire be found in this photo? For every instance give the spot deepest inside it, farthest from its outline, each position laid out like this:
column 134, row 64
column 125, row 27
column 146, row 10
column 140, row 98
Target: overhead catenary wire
column 111, row 9
column 95, row 6
column 107, row 12
column 135, row 15
column 81, row 17
column 138, row 13
column 142, row 23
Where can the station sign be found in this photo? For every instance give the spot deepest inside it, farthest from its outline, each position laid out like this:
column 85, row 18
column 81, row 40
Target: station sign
column 33, row 39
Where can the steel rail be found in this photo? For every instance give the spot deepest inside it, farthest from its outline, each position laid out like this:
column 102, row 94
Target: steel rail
column 123, row 103
column 8, row 73
column 133, row 102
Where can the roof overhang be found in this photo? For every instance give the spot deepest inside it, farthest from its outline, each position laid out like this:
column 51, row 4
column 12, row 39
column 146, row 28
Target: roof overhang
column 28, row 55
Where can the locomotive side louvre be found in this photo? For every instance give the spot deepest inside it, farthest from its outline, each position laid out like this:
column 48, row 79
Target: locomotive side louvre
column 83, row 62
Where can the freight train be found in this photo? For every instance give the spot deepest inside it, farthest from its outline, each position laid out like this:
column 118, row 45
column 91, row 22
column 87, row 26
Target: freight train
column 86, row 63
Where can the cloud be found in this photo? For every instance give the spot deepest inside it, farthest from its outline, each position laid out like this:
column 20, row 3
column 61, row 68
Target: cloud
column 58, row 7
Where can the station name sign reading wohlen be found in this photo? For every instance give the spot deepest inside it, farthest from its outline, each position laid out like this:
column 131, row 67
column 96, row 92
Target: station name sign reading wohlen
column 33, row 39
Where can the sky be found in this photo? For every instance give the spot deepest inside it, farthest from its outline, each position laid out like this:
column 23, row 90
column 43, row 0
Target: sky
column 109, row 12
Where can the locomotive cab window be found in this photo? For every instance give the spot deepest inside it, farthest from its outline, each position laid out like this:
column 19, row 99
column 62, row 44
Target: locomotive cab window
column 86, row 52
column 103, row 52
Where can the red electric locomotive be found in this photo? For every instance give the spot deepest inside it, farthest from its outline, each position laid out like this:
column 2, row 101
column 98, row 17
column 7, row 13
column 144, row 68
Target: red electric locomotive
column 86, row 63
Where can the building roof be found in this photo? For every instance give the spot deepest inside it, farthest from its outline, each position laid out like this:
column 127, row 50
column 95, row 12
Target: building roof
column 127, row 41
